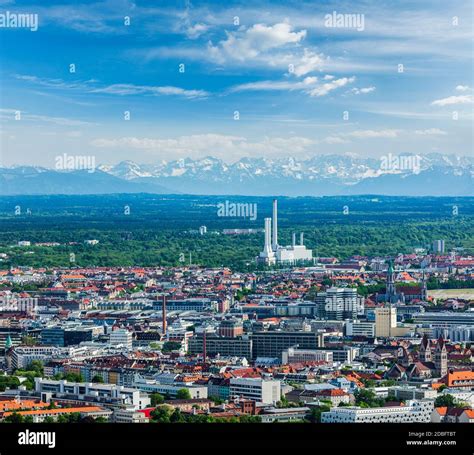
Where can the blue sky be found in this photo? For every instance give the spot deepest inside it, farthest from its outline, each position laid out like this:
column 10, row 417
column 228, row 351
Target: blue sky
column 287, row 73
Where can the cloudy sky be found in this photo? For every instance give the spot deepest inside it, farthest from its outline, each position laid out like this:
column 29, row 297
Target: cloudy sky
column 152, row 80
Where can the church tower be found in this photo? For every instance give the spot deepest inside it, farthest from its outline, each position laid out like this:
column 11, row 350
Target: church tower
column 424, row 287
column 425, row 350
column 390, row 290
column 441, row 358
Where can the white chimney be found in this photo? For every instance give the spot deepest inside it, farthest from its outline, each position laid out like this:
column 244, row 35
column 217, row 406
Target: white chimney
column 301, row 238
column 275, row 226
column 293, row 242
column 268, row 229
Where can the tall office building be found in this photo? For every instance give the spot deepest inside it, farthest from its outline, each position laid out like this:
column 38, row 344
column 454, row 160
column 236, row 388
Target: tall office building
column 438, row 246
column 273, row 343
column 121, row 337
column 339, row 303
column 385, row 321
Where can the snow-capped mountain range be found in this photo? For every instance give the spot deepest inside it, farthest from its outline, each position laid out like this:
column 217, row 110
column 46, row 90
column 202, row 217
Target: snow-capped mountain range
column 412, row 175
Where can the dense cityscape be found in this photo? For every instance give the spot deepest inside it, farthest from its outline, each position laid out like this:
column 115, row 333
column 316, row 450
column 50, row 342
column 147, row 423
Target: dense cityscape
column 383, row 339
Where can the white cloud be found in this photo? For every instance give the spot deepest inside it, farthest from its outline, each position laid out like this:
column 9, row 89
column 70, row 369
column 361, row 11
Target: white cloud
column 368, row 134
column 462, row 88
column 254, row 41
column 308, row 63
column 91, row 86
column 362, row 91
column 11, row 114
column 308, row 85
column 218, row 145
column 276, row 85
column 327, row 87
column 450, row 100
column 431, row 132
column 196, row 30
column 335, row 140
column 131, row 89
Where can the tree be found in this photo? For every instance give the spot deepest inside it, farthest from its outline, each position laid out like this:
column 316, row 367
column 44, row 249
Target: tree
column 216, row 400
column 183, row 394
column 156, row 399
column 283, row 403
column 8, row 382
column 169, row 346
column 177, row 417
column 98, row 379
column 161, row 414
column 101, row 419
column 14, row 418
column 249, row 419
column 28, row 341
column 314, row 416
column 445, row 400
column 366, row 398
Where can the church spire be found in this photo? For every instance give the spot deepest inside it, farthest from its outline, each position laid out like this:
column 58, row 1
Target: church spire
column 424, row 287
column 8, row 343
column 390, row 287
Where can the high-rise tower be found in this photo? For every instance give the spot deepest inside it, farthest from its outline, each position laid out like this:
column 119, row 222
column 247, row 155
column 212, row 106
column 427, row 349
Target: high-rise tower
column 267, row 255
column 275, row 226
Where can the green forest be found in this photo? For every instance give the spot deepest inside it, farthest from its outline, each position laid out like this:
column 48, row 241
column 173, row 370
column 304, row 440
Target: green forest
column 157, row 230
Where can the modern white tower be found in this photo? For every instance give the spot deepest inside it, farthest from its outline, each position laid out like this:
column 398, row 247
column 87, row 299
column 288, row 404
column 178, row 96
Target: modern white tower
column 275, row 226
column 267, row 255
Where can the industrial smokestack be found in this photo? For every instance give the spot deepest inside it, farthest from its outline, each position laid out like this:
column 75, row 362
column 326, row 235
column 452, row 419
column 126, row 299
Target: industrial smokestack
column 268, row 232
column 275, row 226
column 293, row 242
column 301, row 238
column 163, row 308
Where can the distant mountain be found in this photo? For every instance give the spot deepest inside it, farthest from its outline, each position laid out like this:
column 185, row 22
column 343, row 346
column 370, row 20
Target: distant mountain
column 32, row 180
column 434, row 174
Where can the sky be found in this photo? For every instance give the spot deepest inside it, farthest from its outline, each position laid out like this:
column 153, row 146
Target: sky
column 149, row 81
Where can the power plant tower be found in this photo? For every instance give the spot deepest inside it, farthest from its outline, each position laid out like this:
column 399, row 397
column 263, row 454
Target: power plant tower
column 275, row 226
column 273, row 253
column 267, row 248
column 267, row 255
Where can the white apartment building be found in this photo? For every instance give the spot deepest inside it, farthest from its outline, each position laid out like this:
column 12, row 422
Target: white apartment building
column 292, row 355
column 339, row 303
column 418, row 411
column 167, row 389
column 121, row 337
column 360, row 328
column 22, row 356
column 89, row 392
column 129, row 416
column 264, row 391
column 406, row 392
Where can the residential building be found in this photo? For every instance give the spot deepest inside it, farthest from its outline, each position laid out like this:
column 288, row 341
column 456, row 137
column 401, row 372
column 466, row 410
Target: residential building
column 261, row 390
column 415, row 411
